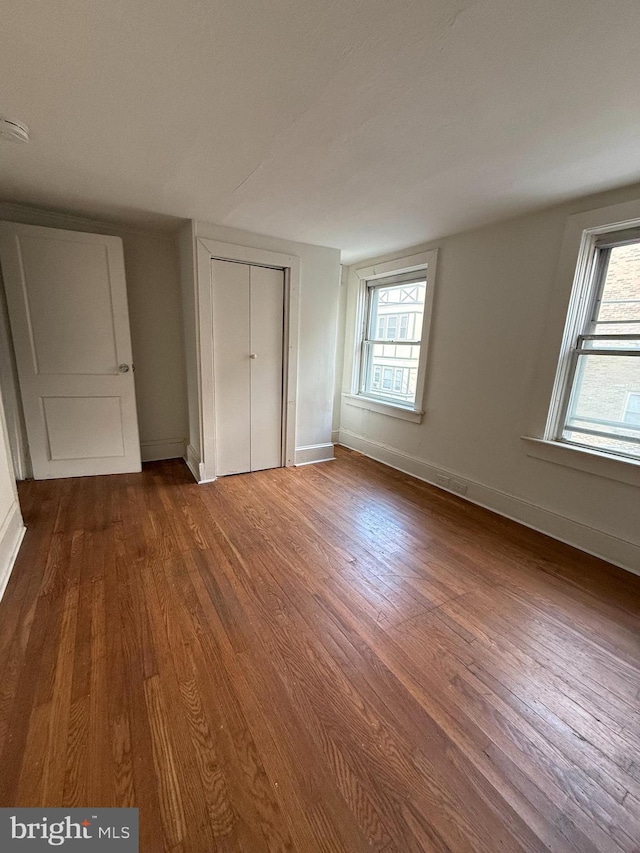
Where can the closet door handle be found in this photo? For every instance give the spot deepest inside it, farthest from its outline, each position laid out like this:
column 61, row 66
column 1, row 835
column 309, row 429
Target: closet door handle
column 253, row 355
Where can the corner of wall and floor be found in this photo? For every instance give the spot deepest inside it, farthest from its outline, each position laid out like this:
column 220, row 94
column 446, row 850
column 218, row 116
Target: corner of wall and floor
column 496, row 295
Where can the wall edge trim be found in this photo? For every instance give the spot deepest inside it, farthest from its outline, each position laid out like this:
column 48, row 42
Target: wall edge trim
column 192, row 458
column 11, row 536
column 162, row 448
column 309, row 454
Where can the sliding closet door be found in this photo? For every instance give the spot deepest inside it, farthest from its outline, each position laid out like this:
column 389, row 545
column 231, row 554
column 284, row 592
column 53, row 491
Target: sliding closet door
column 231, row 366
column 248, row 304
column 267, row 304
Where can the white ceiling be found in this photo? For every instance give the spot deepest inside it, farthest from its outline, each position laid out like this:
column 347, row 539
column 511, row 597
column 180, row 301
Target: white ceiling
column 368, row 125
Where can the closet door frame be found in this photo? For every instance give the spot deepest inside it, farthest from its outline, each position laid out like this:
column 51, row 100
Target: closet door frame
column 208, row 250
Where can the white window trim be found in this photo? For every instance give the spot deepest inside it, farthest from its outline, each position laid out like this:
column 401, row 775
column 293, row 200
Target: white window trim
column 372, row 404
column 425, row 262
column 582, row 459
column 568, row 307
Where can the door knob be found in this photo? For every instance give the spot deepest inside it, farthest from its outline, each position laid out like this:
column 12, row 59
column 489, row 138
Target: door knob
column 123, row 368
column 253, row 355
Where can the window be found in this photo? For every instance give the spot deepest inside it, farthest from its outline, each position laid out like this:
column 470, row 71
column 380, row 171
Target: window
column 393, row 309
column 393, row 302
column 598, row 406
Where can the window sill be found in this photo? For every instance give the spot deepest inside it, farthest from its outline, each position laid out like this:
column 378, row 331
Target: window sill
column 373, row 405
column 591, row 461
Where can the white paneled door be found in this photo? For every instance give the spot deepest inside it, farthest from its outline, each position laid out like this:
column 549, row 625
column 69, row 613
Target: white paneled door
column 66, row 293
column 248, row 306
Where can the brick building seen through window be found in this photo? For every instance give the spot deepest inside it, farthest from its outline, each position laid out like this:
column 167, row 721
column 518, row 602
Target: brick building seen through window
column 606, row 389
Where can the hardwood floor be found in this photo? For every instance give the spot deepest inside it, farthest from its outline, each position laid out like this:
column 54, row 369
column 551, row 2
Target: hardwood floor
column 329, row 658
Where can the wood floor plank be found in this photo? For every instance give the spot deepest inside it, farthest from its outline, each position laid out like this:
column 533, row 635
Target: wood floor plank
column 333, row 658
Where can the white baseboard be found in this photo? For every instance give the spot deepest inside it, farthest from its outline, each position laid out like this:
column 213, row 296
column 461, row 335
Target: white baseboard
column 303, row 456
column 618, row 551
column 11, row 534
column 192, row 458
column 163, row 448
column 311, row 453
column 335, row 436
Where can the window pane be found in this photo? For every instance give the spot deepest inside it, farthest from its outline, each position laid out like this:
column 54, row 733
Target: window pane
column 620, row 298
column 396, row 307
column 617, row 328
column 392, row 371
column 377, row 318
column 599, row 405
column 632, row 410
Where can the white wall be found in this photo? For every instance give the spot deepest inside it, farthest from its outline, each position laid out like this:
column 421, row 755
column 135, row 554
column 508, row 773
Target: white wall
column 319, row 281
column 494, row 292
column 155, row 315
column 11, row 525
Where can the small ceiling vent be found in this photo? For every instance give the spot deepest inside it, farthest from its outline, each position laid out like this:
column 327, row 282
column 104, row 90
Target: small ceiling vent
column 13, row 131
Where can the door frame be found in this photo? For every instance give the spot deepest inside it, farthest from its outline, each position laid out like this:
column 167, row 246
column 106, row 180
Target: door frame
column 207, row 251
column 11, row 395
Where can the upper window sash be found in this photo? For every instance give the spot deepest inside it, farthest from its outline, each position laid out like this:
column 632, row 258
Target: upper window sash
column 588, row 339
column 373, row 320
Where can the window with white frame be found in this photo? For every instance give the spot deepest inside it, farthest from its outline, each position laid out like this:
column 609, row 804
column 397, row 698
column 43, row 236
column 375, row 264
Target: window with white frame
column 393, row 317
column 597, row 406
column 391, row 344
